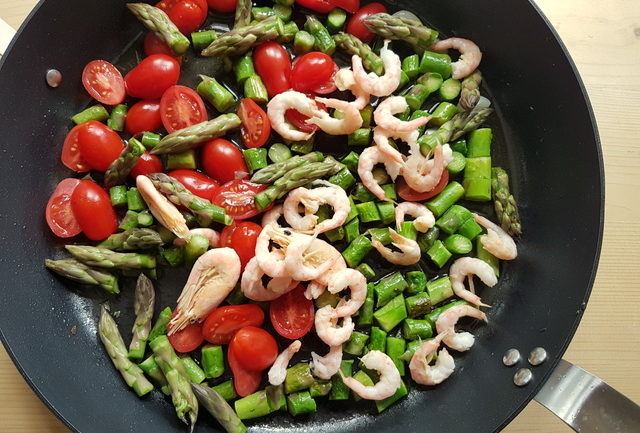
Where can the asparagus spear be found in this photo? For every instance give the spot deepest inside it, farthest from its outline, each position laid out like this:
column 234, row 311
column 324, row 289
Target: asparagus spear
column 158, row 22
column 179, row 195
column 112, row 340
column 192, row 136
column 243, row 13
column 275, row 171
column 123, row 164
column 132, row 239
column 504, row 203
column 470, row 92
column 400, row 28
column 461, row 124
column 77, row 271
column 144, row 299
column 104, row 258
column 354, row 46
column 241, row 39
column 217, row 406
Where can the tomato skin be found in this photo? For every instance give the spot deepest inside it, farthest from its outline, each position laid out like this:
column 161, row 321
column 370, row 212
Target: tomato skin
column 320, row 6
column 255, row 348
column 312, row 71
column 152, row 76
column 298, row 120
column 147, row 164
column 243, row 240
column 256, row 126
column 245, row 381
column 273, row 65
column 406, row 193
column 180, row 107
column 92, row 208
column 238, row 198
column 143, row 116
column 71, row 156
column 196, row 182
column 103, row 82
column 154, row 45
column 350, row 6
column 292, row 314
column 225, row 235
column 99, row 145
column 221, row 160
column 59, row 214
column 222, row 323
column 187, row 15
column 187, row 339
column 355, row 26
column 222, row 6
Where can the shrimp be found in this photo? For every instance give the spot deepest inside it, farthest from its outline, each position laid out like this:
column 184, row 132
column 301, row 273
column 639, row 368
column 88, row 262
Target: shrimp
column 351, row 121
column 461, row 341
column 421, row 176
column 497, row 242
column 279, row 104
column 384, row 116
column 212, row 278
column 272, row 264
column 324, row 367
column 381, row 139
column 162, row 209
column 389, row 381
column 272, row 216
column 357, row 283
column 425, row 374
column 369, row 158
column 252, row 287
column 290, row 210
column 307, row 258
column 327, row 329
column 410, row 250
column 311, row 199
column 344, row 80
column 467, row 267
column 211, row 234
column 470, row 56
column 278, row 370
column 373, row 84
column 314, row 290
column 424, row 219
column 338, row 265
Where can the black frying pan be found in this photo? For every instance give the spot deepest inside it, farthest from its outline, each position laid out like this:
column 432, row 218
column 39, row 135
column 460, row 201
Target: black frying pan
column 547, row 139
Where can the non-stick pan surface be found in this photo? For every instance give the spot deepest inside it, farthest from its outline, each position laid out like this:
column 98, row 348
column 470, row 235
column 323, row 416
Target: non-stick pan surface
column 547, row 139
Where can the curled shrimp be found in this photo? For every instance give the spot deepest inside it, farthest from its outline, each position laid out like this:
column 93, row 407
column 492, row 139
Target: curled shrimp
column 270, row 261
column 162, row 209
column 384, row 116
column 372, row 83
column 252, row 287
column 324, row 367
column 389, row 381
column 314, row 290
column 423, row 177
column 424, row 219
column 338, row 264
column 326, row 324
column 369, row 158
column 307, row 258
column 425, row 374
column 311, row 199
column 344, row 80
column 467, row 267
column 446, row 322
column 470, row 56
column 409, row 250
column 278, row 370
column 497, row 242
column 211, row 234
column 271, row 216
column 356, row 283
column 381, row 139
column 351, row 121
column 278, row 106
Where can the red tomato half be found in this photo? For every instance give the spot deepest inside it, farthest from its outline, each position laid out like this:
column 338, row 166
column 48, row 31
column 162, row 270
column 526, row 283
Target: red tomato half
column 155, row 45
column 180, row 107
column 92, row 208
column 273, row 65
column 59, row 214
column 222, row 160
column 152, row 76
column 143, row 116
column 356, row 27
column 223, row 322
column 292, row 314
column 187, row 15
column 103, row 82
column 98, row 144
column 299, row 120
column 225, row 235
column 223, row 6
column 312, row 71
column 187, row 339
column 244, row 381
column 243, row 240
column 147, row 164
column 255, row 348
column 196, row 182
column 408, row 194
column 71, row 156
column 238, row 198
column 320, row 6
column 256, row 126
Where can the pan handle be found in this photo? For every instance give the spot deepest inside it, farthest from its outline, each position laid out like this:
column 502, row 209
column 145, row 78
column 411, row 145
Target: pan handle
column 6, row 35
column 586, row 403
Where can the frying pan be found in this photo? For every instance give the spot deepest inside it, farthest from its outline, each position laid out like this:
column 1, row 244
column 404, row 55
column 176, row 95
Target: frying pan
column 547, row 138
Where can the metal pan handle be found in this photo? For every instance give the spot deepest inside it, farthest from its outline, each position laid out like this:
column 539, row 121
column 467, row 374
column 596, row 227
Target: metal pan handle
column 586, row 403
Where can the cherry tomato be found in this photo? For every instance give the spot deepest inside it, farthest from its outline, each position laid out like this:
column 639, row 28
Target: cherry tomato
column 237, row 198
column 292, row 314
column 196, row 182
column 273, row 65
column 155, row 45
column 245, row 381
column 99, row 145
column 355, row 26
column 152, row 76
column 313, row 71
column 180, row 107
column 92, row 209
column 187, row 15
column 71, row 156
column 103, row 82
column 225, row 235
column 59, row 214
column 221, row 160
column 299, row 120
column 243, row 240
column 143, row 116
column 187, row 339
column 147, row 164
column 350, row 6
column 320, row 6
column 408, row 194
column 255, row 348
column 223, row 322
column 223, row 6
column 256, row 126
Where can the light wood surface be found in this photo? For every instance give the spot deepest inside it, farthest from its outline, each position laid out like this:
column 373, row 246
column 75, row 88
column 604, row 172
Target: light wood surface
column 603, row 37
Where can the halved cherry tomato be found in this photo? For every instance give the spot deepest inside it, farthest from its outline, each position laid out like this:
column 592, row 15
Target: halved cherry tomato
column 408, row 194
column 152, row 76
column 244, row 381
column 222, row 160
column 273, row 65
column 59, row 214
column 299, row 120
column 155, row 45
column 180, row 107
column 98, row 144
column 103, row 82
column 222, row 323
column 320, row 6
column 196, row 182
column 225, row 235
column 238, row 198
column 92, row 209
column 187, row 339
column 71, row 156
column 187, row 15
column 256, row 126
column 147, row 164
column 243, row 240
column 292, row 314
column 223, row 6
column 312, row 71
column 143, row 116
column 355, row 25
column 254, row 348
column 350, row 6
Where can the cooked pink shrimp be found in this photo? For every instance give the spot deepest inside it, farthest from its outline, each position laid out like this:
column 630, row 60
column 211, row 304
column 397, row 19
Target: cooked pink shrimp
column 384, row 116
column 369, row 158
column 278, row 370
column 338, row 265
column 381, row 139
column 327, row 329
column 307, row 258
column 271, row 216
column 388, row 383
column 417, row 174
column 470, row 56
column 497, row 242
column 270, row 261
column 357, row 285
column 291, row 208
column 424, row 219
column 211, row 234
column 279, row 104
column 344, row 80
column 373, row 84
column 162, row 209
column 351, row 118
column 314, row 290
column 409, row 250
column 467, row 267
column 326, row 366
column 311, row 199
column 446, row 322
column 252, row 287
column 425, row 374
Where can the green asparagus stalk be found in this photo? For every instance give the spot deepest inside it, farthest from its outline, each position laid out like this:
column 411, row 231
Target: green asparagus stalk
column 123, row 164
column 217, row 406
column 158, row 22
column 455, row 128
column 273, row 172
column 144, row 300
column 470, row 92
column 241, row 39
column 104, row 258
column 113, row 343
column 504, row 203
column 132, row 239
column 243, row 13
column 354, row 46
column 77, row 271
column 400, row 28
column 192, row 136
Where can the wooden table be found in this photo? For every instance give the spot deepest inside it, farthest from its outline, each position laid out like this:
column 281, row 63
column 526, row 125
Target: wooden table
column 604, row 40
